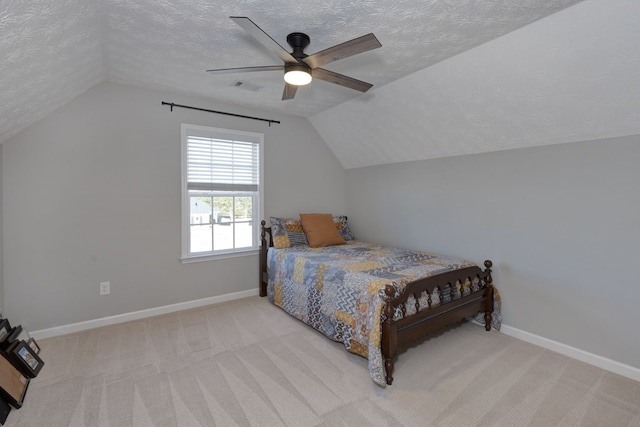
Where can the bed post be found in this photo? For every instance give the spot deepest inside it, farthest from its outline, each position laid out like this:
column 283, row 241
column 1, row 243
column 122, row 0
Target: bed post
column 489, row 295
column 389, row 335
column 264, row 247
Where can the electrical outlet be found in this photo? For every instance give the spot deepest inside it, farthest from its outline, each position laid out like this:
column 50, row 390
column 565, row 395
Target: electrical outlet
column 105, row 288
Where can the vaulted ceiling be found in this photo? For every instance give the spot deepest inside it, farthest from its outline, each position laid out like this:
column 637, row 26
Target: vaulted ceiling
column 53, row 51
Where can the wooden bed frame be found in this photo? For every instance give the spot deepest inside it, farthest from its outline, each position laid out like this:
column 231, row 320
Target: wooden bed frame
column 399, row 334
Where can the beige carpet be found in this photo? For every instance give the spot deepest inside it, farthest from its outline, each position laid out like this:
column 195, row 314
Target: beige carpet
column 246, row 362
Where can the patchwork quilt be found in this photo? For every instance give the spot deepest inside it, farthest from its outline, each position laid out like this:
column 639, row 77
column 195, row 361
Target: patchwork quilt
column 336, row 289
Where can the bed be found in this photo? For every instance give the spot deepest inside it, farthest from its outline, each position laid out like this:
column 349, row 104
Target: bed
column 376, row 300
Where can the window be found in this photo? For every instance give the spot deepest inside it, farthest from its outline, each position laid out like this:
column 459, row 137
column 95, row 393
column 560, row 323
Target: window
column 221, row 191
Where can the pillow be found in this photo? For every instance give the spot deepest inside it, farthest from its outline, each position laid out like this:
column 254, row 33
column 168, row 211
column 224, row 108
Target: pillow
column 321, row 230
column 343, row 227
column 287, row 232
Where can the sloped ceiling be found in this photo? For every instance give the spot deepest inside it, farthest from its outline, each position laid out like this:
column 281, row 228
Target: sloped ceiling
column 573, row 76
column 52, row 51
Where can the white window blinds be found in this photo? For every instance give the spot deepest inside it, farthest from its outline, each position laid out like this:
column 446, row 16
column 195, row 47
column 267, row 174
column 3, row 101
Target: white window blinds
column 222, row 164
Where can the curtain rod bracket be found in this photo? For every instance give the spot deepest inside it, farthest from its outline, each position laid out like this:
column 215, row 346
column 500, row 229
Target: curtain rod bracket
column 171, row 105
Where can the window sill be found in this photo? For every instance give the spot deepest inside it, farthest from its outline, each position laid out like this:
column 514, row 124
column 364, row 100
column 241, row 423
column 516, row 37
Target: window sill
column 237, row 254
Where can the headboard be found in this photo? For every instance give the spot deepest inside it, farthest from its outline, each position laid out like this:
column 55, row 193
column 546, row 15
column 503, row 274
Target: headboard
column 265, row 244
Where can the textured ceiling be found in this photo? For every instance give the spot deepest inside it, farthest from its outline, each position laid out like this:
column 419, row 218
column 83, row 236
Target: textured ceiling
column 572, row 76
column 53, row 51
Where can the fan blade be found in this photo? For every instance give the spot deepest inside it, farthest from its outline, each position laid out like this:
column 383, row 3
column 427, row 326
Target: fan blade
column 246, row 69
column 339, row 79
column 343, row 50
column 289, row 91
column 264, row 38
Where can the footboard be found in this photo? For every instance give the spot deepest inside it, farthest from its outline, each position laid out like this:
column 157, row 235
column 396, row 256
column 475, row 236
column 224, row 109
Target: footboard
column 432, row 303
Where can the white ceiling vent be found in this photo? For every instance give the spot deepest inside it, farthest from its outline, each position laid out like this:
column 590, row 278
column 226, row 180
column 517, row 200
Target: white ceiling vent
column 247, row 86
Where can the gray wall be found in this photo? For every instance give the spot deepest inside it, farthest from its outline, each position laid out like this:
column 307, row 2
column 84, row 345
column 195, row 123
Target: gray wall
column 92, row 193
column 1, row 241
column 560, row 223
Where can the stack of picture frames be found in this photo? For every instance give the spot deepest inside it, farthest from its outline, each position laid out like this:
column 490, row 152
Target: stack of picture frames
column 19, row 363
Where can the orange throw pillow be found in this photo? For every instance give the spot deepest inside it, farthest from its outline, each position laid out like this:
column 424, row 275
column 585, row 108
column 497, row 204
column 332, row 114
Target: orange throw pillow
column 321, row 230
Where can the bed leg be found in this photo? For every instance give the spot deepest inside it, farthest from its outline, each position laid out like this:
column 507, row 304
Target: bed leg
column 389, row 334
column 388, row 367
column 489, row 296
column 487, row 321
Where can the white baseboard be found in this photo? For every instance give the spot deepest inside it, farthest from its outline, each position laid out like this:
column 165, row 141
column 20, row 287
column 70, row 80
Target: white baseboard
column 575, row 353
column 584, row 356
column 136, row 315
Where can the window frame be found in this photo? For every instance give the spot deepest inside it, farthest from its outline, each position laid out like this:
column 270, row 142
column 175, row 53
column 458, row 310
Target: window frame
column 219, row 133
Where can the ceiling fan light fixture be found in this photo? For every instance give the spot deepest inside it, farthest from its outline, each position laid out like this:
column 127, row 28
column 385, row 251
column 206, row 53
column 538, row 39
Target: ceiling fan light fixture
column 300, row 68
column 297, row 75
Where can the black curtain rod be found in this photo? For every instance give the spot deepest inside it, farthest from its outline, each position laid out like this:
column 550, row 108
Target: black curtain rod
column 171, row 104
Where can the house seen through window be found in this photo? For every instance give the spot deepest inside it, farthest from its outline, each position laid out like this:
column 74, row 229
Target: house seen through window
column 221, row 174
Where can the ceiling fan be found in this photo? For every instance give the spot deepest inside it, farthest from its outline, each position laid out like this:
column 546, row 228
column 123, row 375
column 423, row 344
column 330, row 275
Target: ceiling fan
column 299, row 68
